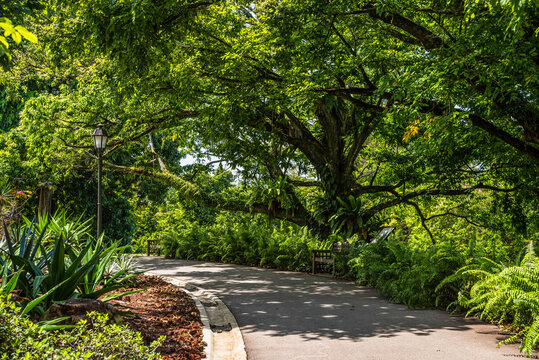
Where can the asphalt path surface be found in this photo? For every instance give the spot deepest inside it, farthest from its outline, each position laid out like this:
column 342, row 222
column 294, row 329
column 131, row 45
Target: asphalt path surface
column 295, row 316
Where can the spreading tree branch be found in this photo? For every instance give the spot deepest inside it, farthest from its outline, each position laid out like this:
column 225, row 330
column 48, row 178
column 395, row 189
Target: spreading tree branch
column 157, row 156
column 399, row 199
column 190, row 191
column 455, row 215
column 423, row 219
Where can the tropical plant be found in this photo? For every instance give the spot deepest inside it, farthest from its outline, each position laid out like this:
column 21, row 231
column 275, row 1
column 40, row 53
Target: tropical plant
column 120, row 262
column 24, row 251
column 8, row 281
column 275, row 193
column 61, row 224
column 50, row 273
column 96, row 280
column 8, row 287
column 406, row 273
column 276, row 245
column 61, row 272
column 507, row 294
column 20, row 338
column 348, row 217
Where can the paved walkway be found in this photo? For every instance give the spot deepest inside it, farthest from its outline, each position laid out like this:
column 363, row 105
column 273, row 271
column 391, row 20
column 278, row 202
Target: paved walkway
column 295, row 316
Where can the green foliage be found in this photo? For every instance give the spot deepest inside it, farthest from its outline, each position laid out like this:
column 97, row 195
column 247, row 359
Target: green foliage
column 405, row 273
column 347, row 219
column 8, row 281
column 9, row 111
column 76, row 193
column 58, row 271
column 274, row 193
column 335, row 117
column 507, row 294
column 243, row 242
column 25, row 253
column 22, row 339
column 8, row 285
column 406, row 120
column 98, row 280
column 12, row 33
column 76, row 231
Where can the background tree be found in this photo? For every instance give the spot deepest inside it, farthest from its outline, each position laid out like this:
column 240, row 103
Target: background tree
column 389, row 103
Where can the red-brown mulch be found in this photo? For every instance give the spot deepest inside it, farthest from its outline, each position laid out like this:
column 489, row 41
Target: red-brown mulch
column 164, row 309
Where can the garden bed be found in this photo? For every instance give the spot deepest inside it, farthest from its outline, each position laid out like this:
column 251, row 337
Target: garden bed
column 163, row 309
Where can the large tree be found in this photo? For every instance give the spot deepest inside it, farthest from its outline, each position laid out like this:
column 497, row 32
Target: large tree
column 330, row 110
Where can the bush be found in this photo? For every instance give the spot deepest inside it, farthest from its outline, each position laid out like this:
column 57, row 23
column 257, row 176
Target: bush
column 241, row 242
column 22, row 339
column 63, row 272
column 406, row 273
column 506, row 294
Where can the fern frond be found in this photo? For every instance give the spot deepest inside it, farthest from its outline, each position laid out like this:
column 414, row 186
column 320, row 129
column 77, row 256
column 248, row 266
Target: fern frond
column 507, row 294
column 531, row 339
column 530, row 259
column 522, row 277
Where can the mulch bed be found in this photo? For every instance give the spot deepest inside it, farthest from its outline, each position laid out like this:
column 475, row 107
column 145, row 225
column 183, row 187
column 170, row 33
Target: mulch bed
column 163, row 309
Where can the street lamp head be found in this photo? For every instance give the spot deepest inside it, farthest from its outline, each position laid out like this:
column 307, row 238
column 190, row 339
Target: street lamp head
column 100, row 138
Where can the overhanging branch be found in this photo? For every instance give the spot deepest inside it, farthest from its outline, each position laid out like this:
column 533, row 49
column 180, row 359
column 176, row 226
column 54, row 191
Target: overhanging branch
column 423, row 219
column 429, row 192
column 190, row 191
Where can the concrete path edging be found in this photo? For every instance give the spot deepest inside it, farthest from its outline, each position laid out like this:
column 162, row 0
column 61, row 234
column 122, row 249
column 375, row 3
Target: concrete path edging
column 221, row 331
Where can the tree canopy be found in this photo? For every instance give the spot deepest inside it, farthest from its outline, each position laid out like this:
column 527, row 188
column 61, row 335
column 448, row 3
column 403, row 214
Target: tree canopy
column 330, row 112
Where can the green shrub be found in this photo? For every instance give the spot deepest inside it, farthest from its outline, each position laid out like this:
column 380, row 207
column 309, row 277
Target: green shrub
column 169, row 244
column 61, row 224
column 506, row 294
column 63, row 272
column 22, row 339
column 241, row 242
column 406, row 273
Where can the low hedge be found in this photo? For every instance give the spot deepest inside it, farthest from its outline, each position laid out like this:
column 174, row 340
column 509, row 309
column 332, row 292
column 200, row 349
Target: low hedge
column 21, row 339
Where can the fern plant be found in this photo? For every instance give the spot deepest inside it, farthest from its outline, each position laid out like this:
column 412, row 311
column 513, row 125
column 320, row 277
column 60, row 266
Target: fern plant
column 508, row 294
column 348, row 218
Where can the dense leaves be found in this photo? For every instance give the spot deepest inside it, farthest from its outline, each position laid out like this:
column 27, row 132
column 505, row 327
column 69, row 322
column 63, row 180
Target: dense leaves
column 20, row 338
column 339, row 117
column 59, row 270
column 505, row 293
column 387, row 102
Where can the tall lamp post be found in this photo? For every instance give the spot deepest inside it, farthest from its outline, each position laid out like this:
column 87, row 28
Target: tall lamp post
column 100, row 142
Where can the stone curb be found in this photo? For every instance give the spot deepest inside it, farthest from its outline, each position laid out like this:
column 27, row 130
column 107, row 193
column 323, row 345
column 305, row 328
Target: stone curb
column 221, row 331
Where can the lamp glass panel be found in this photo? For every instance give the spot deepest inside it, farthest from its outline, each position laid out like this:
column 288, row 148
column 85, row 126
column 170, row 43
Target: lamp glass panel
column 100, row 139
column 101, row 142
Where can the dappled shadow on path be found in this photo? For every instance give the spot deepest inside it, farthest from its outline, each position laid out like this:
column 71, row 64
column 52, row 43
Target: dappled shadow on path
column 315, row 308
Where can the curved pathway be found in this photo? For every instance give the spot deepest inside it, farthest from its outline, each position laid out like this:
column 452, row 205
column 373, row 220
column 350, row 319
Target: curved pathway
column 296, row 316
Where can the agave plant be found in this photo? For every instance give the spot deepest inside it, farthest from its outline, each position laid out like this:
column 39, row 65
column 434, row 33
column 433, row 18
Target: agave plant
column 8, row 281
column 24, row 248
column 8, row 286
column 98, row 280
column 77, row 230
column 61, row 273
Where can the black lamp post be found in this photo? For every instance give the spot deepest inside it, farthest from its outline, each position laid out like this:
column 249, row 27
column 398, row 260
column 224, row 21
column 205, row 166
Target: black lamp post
column 100, row 142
